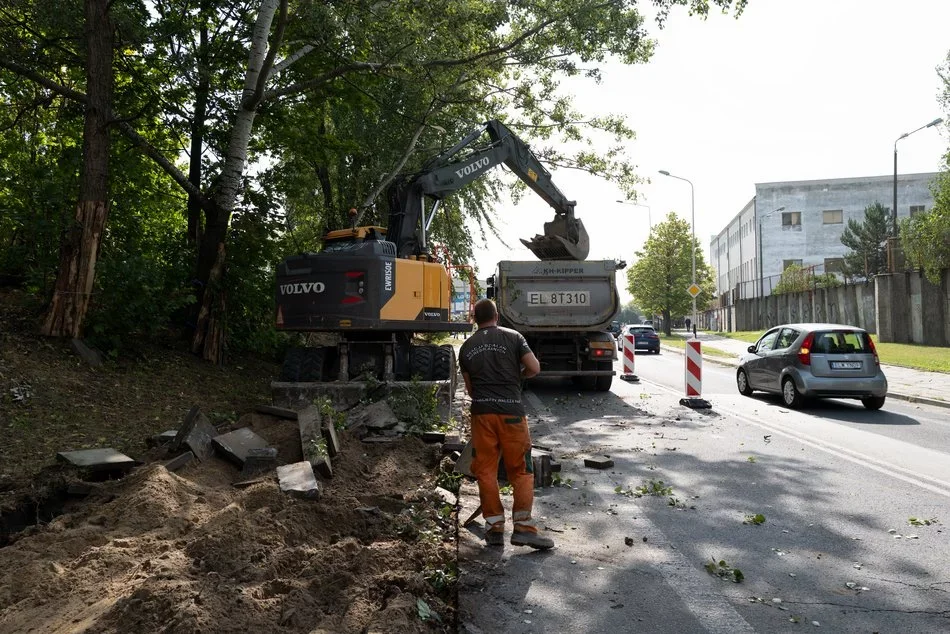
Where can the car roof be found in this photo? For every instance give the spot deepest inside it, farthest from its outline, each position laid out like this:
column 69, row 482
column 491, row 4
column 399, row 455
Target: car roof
column 812, row 326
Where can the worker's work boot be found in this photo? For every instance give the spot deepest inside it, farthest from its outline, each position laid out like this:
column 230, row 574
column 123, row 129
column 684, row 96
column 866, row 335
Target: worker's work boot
column 531, row 538
column 495, row 534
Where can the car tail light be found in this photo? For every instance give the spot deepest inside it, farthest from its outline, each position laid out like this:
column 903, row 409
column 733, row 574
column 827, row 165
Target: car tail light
column 804, row 353
column 877, row 361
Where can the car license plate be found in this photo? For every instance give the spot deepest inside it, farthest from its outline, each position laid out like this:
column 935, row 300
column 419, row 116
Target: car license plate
column 558, row 298
column 845, row 365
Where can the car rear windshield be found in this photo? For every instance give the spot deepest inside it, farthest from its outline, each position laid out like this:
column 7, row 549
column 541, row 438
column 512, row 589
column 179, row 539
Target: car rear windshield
column 842, row 342
column 641, row 329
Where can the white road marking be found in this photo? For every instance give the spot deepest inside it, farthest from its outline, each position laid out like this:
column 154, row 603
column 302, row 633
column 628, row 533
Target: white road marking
column 934, row 485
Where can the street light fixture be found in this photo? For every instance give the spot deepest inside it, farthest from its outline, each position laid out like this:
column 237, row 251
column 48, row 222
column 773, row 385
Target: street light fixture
column 649, row 218
column 761, row 274
column 692, row 205
column 936, row 121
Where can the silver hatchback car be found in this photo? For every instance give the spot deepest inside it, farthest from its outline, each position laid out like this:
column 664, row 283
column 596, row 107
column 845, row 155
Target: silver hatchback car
column 801, row 361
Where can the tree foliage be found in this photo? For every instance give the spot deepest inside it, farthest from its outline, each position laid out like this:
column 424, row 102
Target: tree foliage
column 925, row 238
column 867, row 241
column 663, row 271
column 797, row 279
column 242, row 132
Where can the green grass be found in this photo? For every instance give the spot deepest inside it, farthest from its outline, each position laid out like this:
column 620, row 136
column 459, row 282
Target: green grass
column 711, row 351
column 908, row 355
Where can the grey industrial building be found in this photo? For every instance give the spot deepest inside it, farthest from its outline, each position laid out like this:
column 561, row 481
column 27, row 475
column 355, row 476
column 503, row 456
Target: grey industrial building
column 801, row 222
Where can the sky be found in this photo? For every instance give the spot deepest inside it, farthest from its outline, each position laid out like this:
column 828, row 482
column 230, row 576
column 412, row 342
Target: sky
column 791, row 90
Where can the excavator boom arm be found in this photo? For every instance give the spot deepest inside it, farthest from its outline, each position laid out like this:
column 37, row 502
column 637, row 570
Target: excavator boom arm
column 564, row 238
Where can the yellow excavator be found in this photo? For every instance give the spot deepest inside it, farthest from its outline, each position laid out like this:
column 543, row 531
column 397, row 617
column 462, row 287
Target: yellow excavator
column 376, row 287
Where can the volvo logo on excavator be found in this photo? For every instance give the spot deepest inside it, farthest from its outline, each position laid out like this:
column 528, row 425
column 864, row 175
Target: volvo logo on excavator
column 471, row 167
column 302, row 288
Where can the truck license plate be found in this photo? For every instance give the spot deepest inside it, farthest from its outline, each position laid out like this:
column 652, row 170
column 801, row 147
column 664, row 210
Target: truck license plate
column 558, row 298
column 845, row 365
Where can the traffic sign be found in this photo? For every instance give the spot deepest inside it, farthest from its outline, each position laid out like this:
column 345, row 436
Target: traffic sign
column 694, row 290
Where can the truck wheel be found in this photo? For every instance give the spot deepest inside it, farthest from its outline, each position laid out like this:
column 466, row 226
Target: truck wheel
column 445, row 368
column 421, row 362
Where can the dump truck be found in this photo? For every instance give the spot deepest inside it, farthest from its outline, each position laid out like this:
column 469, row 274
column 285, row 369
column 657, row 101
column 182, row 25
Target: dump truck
column 564, row 310
column 374, row 287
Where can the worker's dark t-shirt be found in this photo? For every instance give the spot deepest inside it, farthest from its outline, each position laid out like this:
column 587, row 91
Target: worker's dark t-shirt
column 492, row 359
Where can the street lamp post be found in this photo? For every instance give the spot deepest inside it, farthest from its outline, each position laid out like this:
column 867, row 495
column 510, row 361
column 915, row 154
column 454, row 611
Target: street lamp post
column 761, row 274
column 936, row 121
column 692, row 224
column 649, row 218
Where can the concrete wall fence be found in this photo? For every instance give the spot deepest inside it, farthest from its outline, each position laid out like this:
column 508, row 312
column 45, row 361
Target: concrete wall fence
column 899, row 308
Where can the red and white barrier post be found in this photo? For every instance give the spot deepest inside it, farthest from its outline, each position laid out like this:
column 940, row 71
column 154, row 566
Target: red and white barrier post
column 629, row 358
column 694, row 376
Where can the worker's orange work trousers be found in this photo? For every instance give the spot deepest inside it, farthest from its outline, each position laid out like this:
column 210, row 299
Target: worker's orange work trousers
column 507, row 436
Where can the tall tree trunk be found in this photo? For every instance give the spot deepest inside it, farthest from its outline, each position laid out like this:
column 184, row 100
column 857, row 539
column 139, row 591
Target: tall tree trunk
column 208, row 340
column 79, row 249
column 202, row 91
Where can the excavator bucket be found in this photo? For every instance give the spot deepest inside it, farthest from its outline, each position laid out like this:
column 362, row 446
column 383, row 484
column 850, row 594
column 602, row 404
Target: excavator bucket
column 565, row 238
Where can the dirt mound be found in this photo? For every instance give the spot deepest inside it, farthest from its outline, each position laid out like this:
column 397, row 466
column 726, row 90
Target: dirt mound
column 188, row 552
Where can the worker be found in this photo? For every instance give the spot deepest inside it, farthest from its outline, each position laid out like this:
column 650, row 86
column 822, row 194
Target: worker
column 494, row 361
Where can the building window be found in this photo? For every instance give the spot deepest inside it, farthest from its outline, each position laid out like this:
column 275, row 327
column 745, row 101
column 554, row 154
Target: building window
column 788, row 263
column 792, row 219
column 832, row 217
column 834, row 265
column 916, row 209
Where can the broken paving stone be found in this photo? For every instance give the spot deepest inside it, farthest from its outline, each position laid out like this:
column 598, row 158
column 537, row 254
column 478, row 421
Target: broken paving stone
column 433, row 436
column 375, row 416
column 449, row 447
column 179, row 462
column 598, row 462
column 332, row 440
column 243, row 484
column 195, row 433
column 161, row 439
column 312, row 443
column 279, row 412
column 258, row 461
column 447, row 496
column 297, row 479
column 104, row 459
column 236, row 444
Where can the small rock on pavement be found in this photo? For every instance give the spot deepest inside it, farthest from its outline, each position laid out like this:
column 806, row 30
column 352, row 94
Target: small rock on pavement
column 195, row 433
column 628, row 541
column 258, row 460
column 598, row 462
column 236, row 444
column 297, row 479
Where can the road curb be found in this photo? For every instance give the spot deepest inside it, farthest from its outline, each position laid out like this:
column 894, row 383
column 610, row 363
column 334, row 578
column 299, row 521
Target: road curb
column 910, row 398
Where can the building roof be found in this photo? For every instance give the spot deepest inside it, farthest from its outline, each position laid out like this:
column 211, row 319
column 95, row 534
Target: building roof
column 847, row 181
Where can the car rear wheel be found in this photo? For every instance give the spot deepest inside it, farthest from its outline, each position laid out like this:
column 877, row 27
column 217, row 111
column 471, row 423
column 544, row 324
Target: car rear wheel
column 742, row 382
column 790, row 394
column 873, row 402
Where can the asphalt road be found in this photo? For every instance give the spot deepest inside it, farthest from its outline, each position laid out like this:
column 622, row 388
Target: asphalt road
column 835, row 483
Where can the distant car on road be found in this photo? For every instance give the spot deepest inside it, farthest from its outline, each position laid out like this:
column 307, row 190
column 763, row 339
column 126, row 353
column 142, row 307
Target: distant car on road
column 647, row 322
column 802, row 361
column 643, row 337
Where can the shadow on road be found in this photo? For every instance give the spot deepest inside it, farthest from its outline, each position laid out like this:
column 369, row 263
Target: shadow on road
column 843, row 410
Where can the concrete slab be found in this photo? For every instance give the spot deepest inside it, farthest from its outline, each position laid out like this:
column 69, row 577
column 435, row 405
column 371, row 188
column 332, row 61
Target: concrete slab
column 162, row 439
column 375, row 416
column 598, row 462
column 258, row 461
column 104, row 459
column 195, row 433
column 332, row 438
column 279, row 412
column 451, row 447
column 347, row 394
column 433, row 436
column 312, row 443
column 447, row 496
column 464, row 463
column 180, row 462
column 235, row 445
column 297, row 479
